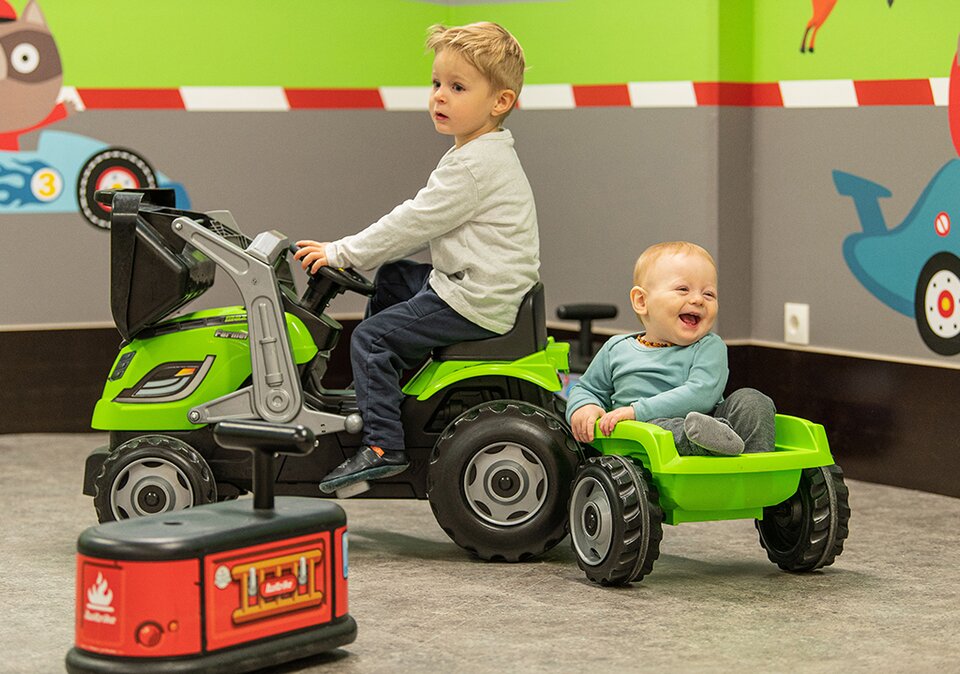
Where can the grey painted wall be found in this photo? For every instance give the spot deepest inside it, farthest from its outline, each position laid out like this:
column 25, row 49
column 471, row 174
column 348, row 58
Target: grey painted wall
column 611, row 182
column 754, row 186
column 607, row 183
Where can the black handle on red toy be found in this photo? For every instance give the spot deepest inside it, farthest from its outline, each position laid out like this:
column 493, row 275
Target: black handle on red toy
column 264, row 440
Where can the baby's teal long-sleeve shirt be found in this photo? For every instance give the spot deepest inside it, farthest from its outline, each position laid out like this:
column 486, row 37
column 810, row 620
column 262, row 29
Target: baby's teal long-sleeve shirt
column 659, row 382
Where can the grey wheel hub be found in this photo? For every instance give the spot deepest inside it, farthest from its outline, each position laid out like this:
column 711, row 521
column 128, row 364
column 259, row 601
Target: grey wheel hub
column 591, row 521
column 150, row 486
column 505, row 484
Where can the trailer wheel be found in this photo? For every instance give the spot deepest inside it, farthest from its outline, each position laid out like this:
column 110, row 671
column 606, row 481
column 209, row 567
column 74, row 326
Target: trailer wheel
column 806, row 532
column 615, row 520
column 151, row 474
column 499, row 479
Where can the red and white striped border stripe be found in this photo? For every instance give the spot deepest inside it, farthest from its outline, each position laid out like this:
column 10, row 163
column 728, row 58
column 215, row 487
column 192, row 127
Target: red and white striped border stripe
column 685, row 94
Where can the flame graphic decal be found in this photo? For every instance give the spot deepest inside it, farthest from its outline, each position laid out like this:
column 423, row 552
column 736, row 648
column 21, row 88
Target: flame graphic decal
column 100, row 596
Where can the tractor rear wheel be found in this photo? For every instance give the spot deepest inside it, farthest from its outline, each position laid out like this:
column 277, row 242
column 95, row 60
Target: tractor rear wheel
column 499, row 480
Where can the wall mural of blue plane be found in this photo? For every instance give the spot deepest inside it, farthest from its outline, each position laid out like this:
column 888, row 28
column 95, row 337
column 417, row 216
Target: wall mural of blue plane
column 914, row 268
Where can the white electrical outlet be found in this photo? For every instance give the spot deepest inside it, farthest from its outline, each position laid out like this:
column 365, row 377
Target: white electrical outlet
column 796, row 323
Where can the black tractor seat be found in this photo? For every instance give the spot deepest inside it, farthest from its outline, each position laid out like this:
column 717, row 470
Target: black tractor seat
column 528, row 335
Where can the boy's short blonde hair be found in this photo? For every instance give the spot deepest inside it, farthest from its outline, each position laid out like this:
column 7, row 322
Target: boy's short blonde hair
column 486, row 46
column 655, row 252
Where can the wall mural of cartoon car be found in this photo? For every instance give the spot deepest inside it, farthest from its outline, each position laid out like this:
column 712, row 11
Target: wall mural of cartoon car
column 64, row 172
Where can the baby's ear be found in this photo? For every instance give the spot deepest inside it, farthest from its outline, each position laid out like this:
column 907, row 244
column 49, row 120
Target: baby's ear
column 638, row 300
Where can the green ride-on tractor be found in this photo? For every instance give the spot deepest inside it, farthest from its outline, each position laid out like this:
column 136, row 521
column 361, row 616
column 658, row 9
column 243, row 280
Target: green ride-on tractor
column 483, row 423
column 483, row 426
column 635, row 481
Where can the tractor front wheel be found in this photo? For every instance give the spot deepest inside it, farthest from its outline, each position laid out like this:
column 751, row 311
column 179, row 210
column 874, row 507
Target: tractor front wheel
column 151, row 474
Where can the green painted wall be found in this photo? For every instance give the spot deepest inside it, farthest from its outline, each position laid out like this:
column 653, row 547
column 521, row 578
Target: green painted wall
column 370, row 43
column 291, row 43
column 862, row 39
column 610, row 41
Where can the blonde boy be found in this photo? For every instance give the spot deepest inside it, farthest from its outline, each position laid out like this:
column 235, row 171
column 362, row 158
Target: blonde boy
column 477, row 217
column 674, row 372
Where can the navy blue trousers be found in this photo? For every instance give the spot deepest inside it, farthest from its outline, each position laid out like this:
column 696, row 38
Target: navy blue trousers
column 405, row 321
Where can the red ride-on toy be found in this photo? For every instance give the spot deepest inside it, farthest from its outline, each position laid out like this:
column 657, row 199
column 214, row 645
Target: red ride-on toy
column 223, row 587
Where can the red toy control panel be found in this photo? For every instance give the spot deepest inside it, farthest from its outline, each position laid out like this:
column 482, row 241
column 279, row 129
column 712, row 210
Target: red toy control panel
column 219, row 586
column 266, row 590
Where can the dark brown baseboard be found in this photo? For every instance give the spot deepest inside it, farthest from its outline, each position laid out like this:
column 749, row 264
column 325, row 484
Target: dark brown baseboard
column 889, row 423
column 53, row 378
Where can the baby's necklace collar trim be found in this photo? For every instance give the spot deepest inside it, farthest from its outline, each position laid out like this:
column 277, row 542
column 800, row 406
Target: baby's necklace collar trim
column 653, row 345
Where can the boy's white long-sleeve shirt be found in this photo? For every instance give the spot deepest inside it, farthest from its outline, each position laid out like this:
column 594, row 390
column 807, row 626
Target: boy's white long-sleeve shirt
column 477, row 216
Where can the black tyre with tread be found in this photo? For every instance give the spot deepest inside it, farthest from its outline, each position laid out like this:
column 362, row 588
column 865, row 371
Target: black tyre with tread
column 499, row 480
column 939, row 283
column 151, row 474
column 616, row 522
column 129, row 164
column 806, row 532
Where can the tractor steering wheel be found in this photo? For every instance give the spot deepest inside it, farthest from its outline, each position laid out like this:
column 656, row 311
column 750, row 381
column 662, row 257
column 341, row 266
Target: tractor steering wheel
column 348, row 278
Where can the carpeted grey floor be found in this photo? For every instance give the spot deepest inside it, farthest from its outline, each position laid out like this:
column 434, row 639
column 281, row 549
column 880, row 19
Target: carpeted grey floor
column 712, row 603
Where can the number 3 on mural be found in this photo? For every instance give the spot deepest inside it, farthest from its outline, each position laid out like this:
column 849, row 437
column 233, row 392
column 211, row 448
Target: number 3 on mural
column 46, row 184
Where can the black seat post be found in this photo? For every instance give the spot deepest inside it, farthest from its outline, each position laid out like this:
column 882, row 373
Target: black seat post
column 586, row 314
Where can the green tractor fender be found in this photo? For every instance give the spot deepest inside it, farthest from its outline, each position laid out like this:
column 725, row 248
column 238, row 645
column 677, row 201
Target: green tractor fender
column 539, row 368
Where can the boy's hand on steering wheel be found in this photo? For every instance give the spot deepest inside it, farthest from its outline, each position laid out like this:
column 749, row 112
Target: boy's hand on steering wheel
column 312, row 255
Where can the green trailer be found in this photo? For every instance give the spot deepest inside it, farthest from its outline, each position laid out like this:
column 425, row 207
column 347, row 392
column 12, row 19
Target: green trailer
column 621, row 498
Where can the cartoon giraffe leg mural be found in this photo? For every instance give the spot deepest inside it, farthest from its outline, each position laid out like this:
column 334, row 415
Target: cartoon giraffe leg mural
column 821, row 10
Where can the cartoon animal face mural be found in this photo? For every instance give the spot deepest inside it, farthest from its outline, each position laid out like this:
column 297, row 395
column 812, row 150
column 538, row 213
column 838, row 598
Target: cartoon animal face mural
column 65, row 171
column 914, row 268
column 30, row 69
